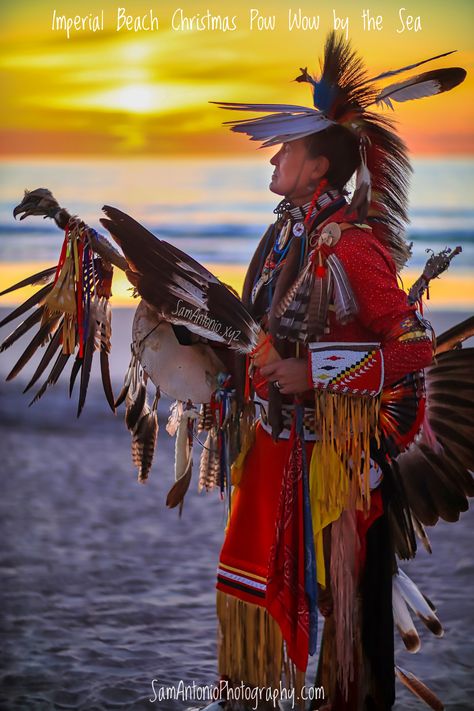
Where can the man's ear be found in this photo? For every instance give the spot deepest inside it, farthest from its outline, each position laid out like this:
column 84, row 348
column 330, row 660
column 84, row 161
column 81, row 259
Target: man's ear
column 321, row 167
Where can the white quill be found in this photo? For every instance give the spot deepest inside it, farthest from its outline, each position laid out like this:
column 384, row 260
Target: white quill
column 407, row 90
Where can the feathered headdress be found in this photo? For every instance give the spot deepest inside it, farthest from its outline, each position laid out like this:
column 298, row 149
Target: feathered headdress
column 344, row 95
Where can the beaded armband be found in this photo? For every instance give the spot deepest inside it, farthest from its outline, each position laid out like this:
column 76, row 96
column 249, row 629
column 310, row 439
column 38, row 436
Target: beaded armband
column 411, row 329
column 346, row 368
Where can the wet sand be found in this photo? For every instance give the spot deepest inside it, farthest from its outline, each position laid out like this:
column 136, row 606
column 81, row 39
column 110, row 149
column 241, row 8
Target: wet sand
column 104, row 589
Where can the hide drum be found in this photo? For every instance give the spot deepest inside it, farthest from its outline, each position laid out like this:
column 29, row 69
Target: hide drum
column 181, row 372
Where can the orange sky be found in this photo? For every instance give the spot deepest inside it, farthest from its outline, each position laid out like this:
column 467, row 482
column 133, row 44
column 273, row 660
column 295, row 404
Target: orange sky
column 126, row 93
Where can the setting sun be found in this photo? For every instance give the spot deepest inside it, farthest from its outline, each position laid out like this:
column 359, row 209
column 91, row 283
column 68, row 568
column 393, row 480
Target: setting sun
column 56, row 90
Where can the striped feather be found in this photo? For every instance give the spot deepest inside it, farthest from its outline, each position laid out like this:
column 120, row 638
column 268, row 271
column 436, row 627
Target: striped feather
column 292, row 291
column 286, row 279
column 135, row 406
column 209, row 466
column 144, row 444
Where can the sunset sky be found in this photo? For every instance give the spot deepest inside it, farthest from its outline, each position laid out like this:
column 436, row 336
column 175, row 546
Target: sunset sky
column 126, row 93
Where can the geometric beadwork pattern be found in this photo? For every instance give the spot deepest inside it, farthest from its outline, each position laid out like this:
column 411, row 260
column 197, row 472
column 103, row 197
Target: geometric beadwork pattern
column 352, row 368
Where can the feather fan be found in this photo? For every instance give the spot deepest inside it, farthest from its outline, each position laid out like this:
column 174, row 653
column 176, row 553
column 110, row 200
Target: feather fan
column 180, row 289
column 439, row 482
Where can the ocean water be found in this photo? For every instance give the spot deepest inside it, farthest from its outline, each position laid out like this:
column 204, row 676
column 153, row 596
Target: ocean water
column 104, row 589
column 215, row 210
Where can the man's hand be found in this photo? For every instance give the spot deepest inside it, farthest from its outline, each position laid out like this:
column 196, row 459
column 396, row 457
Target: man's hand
column 290, row 374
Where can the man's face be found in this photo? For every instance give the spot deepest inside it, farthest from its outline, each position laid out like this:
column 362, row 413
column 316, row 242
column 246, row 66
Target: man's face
column 296, row 174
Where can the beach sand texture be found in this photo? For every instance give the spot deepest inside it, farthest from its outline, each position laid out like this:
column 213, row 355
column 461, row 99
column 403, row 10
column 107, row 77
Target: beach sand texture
column 104, row 589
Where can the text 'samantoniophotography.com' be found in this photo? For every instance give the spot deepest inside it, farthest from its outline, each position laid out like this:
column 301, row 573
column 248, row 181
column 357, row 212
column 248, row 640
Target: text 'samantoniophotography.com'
column 236, row 376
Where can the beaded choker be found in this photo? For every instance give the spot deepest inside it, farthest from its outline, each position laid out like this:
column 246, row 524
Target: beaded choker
column 328, row 202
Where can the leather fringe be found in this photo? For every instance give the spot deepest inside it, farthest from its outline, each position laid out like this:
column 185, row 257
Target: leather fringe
column 344, row 551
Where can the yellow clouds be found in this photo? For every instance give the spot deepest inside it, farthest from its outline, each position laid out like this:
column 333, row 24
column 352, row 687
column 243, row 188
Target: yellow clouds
column 450, row 292
column 136, row 93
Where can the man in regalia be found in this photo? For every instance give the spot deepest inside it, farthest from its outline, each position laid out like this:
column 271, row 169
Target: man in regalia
column 309, row 525
column 324, row 494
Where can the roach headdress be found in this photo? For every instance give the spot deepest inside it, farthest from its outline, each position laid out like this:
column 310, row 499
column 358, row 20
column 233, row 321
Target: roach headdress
column 343, row 95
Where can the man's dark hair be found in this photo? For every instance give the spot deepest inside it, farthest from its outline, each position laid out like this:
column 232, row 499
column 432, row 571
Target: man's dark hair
column 341, row 148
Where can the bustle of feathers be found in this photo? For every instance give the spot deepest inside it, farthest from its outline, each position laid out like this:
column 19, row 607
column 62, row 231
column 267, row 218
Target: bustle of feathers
column 438, row 483
column 433, row 478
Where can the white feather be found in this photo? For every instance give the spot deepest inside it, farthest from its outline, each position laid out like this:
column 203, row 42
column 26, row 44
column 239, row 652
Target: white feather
column 273, row 121
column 201, row 274
column 363, row 177
column 404, row 622
column 406, row 91
column 186, row 291
column 291, row 108
column 417, row 602
column 422, row 535
column 285, row 137
column 176, row 408
column 286, row 125
column 183, row 450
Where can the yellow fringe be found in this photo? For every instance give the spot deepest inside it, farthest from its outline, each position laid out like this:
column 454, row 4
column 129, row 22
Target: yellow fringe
column 247, row 437
column 251, row 647
column 238, row 465
column 339, row 474
column 346, row 424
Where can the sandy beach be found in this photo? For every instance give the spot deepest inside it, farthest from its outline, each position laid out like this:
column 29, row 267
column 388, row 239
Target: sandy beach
column 104, row 589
